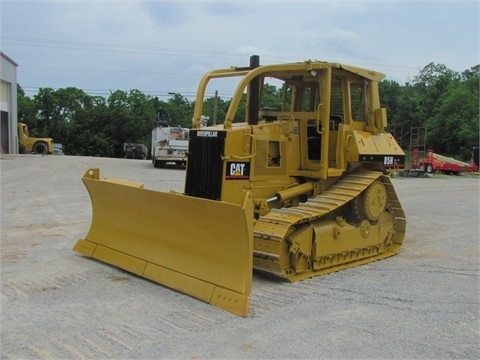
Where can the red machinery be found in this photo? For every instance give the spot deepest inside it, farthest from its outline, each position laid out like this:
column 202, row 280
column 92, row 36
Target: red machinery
column 435, row 162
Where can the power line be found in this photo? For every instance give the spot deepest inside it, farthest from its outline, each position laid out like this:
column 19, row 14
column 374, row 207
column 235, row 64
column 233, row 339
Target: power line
column 122, row 48
column 153, row 93
column 140, row 49
column 56, row 68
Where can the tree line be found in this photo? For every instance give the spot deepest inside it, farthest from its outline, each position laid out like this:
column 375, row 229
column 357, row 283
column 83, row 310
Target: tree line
column 438, row 99
column 444, row 102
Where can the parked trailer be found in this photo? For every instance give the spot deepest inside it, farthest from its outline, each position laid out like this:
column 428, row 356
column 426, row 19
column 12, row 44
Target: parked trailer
column 437, row 163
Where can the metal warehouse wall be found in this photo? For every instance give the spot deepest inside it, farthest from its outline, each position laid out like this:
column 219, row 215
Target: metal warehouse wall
column 8, row 105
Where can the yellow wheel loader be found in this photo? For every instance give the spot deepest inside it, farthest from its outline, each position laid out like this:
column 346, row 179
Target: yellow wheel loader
column 296, row 188
column 27, row 144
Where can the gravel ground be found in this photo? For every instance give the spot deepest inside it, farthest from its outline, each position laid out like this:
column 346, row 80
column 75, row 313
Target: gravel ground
column 421, row 303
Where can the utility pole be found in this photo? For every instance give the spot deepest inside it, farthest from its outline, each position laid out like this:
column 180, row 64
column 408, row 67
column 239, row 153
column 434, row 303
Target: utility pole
column 215, row 103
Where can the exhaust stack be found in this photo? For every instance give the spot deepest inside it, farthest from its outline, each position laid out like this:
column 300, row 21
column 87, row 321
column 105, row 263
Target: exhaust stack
column 253, row 93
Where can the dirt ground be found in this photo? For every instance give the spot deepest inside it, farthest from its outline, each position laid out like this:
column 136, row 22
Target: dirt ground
column 422, row 303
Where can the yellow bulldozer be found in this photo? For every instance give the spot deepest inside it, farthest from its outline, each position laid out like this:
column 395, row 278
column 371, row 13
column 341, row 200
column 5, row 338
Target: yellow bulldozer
column 294, row 190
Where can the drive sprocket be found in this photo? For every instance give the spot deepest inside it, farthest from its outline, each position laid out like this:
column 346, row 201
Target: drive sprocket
column 371, row 203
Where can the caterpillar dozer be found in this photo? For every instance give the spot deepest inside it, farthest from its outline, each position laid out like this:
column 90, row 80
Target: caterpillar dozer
column 294, row 185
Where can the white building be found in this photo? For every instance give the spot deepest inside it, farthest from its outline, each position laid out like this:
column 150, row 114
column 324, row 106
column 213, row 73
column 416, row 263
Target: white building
column 8, row 105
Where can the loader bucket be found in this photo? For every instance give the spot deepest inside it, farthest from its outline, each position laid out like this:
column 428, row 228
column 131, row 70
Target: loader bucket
column 200, row 247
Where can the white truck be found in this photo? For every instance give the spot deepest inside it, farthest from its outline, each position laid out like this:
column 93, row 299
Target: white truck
column 169, row 145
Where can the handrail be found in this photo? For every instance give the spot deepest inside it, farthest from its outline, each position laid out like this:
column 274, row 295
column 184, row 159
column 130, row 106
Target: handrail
column 250, row 156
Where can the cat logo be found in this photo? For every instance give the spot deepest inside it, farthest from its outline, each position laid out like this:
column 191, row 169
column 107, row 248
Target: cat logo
column 238, row 171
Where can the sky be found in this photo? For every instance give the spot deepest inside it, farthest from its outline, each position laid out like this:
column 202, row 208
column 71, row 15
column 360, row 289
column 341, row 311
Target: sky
column 161, row 47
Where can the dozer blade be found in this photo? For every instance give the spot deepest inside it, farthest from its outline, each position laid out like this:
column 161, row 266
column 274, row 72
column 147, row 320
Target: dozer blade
column 200, row 247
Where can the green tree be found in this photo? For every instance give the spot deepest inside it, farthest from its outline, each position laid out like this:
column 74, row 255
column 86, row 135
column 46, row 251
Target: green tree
column 431, row 83
column 443, row 100
column 209, row 106
column 180, row 111
column 390, row 92
column 241, row 114
column 271, row 97
column 60, row 115
column 26, row 110
column 87, row 132
column 131, row 118
column 454, row 127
